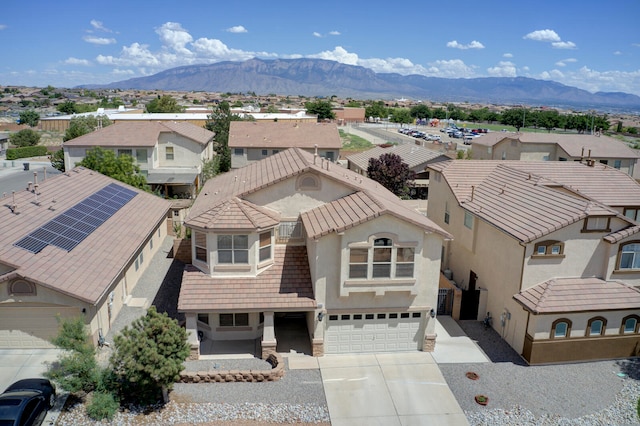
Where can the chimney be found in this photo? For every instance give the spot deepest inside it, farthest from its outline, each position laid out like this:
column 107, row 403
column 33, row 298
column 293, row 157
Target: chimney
column 35, row 178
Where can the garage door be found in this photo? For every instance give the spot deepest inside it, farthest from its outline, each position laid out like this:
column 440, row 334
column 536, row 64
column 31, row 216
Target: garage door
column 31, row 326
column 379, row 332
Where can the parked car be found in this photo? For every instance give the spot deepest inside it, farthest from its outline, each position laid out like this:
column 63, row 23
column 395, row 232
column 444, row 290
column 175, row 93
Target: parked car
column 26, row 402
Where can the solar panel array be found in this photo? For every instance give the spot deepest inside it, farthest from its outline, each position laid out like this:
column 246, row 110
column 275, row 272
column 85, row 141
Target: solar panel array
column 70, row 228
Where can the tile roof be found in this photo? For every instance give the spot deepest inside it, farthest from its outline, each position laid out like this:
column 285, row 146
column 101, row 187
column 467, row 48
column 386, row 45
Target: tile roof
column 412, row 155
column 575, row 145
column 286, row 285
column 293, row 162
column 504, row 192
column 236, row 214
column 128, row 133
column 88, row 271
column 566, row 295
column 282, row 135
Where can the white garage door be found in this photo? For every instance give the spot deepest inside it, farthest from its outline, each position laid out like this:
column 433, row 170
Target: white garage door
column 379, row 332
column 31, row 327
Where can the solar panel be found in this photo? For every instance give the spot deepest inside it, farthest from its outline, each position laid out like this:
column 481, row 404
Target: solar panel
column 71, row 227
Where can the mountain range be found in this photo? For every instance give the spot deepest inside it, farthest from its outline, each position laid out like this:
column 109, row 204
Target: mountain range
column 323, row 78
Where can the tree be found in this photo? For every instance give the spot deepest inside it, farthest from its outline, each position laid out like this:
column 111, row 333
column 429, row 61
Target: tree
column 79, row 126
column 122, row 167
column 25, row 137
column 392, row 173
column 219, row 122
column 376, row 110
column 164, row 103
column 68, row 107
column 30, row 118
column 401, row 115
column 514, row 117
column 549, row 119
column 148, row 356
column 321, row 108
column 420, row 111
column 57, row 160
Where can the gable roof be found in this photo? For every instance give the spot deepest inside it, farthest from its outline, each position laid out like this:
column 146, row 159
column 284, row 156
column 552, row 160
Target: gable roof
column 575, row 145
column 522, row 198
column 567, row 295
column 90, row 269
column 286, row 285
column 293, row 162
column 282, row 135
column 236, row 214
column 412, row 155
column 140, row 133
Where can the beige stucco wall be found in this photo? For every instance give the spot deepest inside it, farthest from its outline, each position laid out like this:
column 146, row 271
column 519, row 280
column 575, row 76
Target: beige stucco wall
column 186, row 153
column 213, row 330
column 250, row 155
column 540, row 325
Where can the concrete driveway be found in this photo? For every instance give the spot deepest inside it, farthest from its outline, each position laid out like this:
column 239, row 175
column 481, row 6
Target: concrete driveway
column 393, row 389
column 16, row 364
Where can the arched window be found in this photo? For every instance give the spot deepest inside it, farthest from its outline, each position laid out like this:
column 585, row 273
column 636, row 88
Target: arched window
column 22, row 288
column 596, row 326
column 308, row 182
column 630, row 324
column 629, row 256
column 561, row 328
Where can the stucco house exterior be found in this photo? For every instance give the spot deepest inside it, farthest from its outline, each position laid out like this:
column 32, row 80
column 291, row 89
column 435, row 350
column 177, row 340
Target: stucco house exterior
column 294, row 237
column 74, row 245
column 251, row 141
column 170, row 154
column 416, row 157
column 556, row 147
column 550, row 249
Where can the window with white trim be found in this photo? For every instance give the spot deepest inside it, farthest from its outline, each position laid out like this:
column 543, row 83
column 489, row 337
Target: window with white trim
column 233, row 249
column 598, row 223
column 632, row 213
column 200, row 241
column 617, row 164
column 265, row 246
column 238, row 151
column 168, row 153
column 446, row 212
column 123, row 151
column 382, row 260
column 234, row 320
column 549, row 248
column 141, row 156
column 468, row 220
column 629, row 256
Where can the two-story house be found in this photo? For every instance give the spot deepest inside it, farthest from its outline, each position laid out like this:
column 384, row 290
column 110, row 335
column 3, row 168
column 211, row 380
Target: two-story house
column 170, row 154
column 556, row 147
column 295, row 235
column 416, row 157
column 74, row 245
column 251, row 141
column 550, row 248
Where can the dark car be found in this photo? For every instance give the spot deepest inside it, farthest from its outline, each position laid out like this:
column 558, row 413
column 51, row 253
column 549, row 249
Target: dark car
column 26, row 402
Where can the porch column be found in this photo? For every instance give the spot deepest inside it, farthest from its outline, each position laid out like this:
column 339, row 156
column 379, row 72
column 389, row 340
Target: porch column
column 192, row 335
column 268, row 335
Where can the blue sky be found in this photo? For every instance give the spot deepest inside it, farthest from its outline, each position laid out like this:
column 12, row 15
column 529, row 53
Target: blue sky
column 593, row 45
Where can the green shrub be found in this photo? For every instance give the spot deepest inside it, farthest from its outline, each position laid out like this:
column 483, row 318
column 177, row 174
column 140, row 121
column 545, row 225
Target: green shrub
column 26, row 152
column 102, row 406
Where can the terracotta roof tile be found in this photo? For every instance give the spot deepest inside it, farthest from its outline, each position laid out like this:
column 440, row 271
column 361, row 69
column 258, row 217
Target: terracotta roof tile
column 566, row 295
column 284, row 285
column 412, row 155
column 90, row 269
column 282, row 135
column 236, row 214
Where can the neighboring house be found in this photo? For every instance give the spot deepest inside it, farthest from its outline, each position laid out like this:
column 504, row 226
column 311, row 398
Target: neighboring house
column 251, row 141
column 556, row 147
column 414, row 156
column 346, row 115
column 4, row 143
column 297, row 236
column 170, row 154
column 550, row 249
column 74, row 245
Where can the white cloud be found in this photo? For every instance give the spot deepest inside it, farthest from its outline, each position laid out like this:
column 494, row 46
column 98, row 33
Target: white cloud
column 317, row 34
column 99, row 26
column 118, row 72
column 338, row 54
column 564, row 62
column 563, row 45
column 237, row 29
column 543, row 35
column 3, row 27
column 503, row 69
column 507, row 55
column 596, row 81
column 334, row 33
column 174, row 37
column 617, row 53
column 473, row 45
column 99, row 40
column 454, row 68
column 76, row 61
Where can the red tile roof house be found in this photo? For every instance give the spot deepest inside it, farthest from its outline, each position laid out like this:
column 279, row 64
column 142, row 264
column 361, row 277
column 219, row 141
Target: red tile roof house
column 550, row 249
column 416, row 157
column 251, row 141
column 296, row 235
column 556, row 147
column 170, row 154
column 73, row 245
